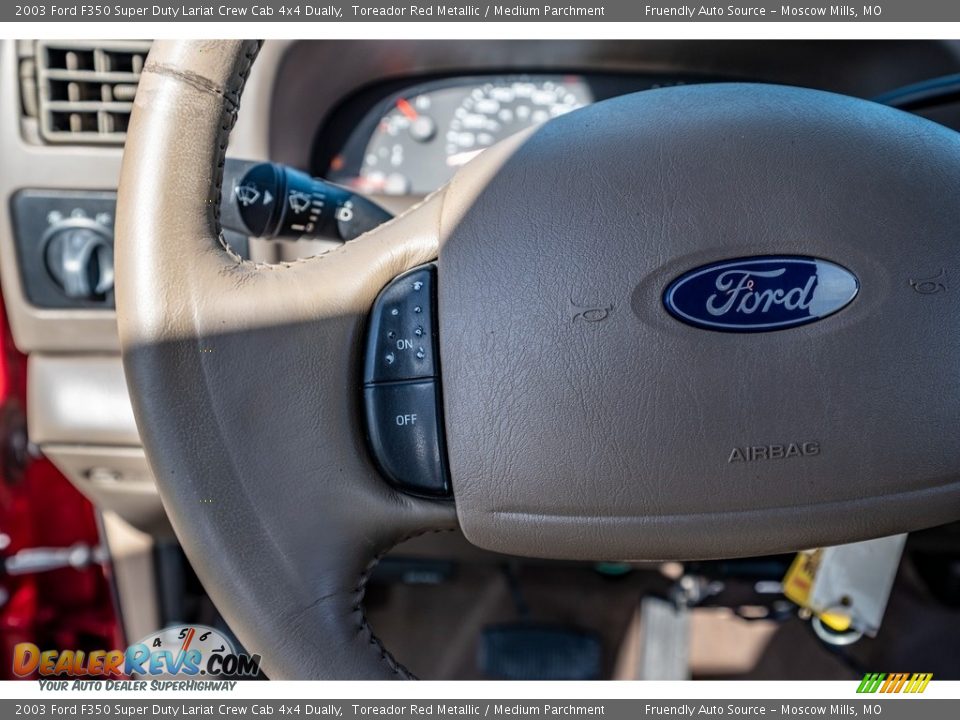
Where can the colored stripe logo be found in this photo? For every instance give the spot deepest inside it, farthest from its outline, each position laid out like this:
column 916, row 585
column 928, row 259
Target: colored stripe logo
column 894, row 682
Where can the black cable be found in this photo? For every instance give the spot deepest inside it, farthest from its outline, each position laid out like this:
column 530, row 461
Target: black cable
column 935, row 91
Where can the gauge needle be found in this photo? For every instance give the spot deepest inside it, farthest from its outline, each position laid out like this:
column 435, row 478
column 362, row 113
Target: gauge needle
column 187, row 640
column 185, row 646
column 462, row 158
column 404, row 106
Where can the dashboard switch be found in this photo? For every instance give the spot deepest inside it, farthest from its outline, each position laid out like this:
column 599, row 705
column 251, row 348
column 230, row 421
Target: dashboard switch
column 80, row 259
column 64, row 242
column 403, row 422
column 402, row 340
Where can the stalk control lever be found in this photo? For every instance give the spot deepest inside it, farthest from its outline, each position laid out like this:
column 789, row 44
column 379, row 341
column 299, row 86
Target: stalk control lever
column 268, row 200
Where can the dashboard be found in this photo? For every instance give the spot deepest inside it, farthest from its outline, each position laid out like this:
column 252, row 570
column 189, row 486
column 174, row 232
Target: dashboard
column 412, row 141
column 395, row 119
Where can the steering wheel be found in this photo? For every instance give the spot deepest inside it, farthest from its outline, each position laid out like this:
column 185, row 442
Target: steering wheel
column 698, row 322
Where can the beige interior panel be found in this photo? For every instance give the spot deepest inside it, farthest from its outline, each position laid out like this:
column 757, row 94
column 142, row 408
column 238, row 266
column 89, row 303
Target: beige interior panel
column 28, row 165
column 116, row 479
column 131, row 555
column 77, row 167
column 79, row 399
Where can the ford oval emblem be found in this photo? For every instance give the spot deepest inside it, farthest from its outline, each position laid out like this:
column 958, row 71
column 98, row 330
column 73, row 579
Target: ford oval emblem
column 759, row 294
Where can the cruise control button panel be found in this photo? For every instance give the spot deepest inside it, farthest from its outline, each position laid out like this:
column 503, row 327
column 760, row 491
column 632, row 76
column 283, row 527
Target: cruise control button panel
column 402, row 342
column 401, row 391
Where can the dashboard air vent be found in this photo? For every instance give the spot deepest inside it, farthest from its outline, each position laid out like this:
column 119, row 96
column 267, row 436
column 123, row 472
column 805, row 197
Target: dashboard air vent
column 86, row 89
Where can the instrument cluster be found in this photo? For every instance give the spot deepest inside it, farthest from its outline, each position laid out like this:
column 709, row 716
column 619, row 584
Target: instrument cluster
column 413, row 141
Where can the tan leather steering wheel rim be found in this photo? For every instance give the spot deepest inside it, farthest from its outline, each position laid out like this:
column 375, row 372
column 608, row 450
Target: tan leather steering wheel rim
column 245, row 384
column 583, row 420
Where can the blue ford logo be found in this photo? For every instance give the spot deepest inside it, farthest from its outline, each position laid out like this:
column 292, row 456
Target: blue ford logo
column 759, row 294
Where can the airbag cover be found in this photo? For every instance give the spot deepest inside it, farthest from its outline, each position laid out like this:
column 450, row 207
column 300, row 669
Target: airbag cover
column 585, row 421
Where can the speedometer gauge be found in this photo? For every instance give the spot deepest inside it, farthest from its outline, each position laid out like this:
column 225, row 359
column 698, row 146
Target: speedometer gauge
column 424, row 135
column 494, row 111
